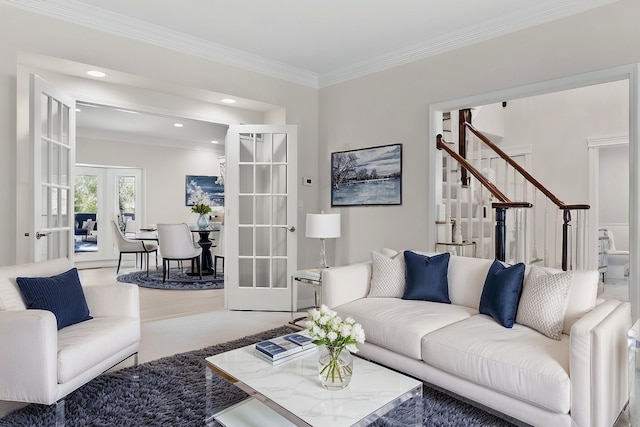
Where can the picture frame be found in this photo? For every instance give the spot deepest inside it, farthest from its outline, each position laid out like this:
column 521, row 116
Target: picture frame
column 204, row 188
column 367, row 176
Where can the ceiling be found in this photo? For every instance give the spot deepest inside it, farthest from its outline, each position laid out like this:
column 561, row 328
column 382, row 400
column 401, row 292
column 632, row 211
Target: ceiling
column 115, row 124
column 310, row 42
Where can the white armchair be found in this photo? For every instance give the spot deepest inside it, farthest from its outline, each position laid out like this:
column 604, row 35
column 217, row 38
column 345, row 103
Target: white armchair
column 41, row 364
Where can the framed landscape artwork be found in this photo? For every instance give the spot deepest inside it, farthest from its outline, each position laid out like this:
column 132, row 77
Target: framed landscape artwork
column 367, row 176
column 204, row 189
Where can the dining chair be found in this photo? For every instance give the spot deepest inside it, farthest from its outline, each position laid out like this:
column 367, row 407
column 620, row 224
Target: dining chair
column 218, row 250
column 176, row 244
column 129, row 246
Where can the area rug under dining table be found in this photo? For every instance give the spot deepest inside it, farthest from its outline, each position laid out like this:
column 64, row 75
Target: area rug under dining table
column 179, row 279
column 171, row 392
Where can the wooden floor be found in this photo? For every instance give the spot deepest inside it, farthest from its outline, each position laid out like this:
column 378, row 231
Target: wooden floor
column 161, row 304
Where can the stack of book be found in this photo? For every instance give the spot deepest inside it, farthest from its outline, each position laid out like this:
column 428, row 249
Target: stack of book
column 282, row 349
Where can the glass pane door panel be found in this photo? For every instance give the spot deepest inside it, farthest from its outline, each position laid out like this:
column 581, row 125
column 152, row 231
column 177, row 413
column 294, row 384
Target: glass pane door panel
column 280, row 179
column 263, row 210
column 263, row 241
column 55, row 164
column 64, row 139
column 279, row 242
column 264, row 148
column 85, row 207
column 246, row 210
column 64, row 168
column 246, row 179
column 279, row 273
column 246, row 147
column 262, row 273
column 127, row 198
column 55, row 208
column 263, row 179
column 245, row 241
column 44, row 164
column 279, row 210
column 279, row 148
column 56, row 120
column 45, row 195
column 246, row 273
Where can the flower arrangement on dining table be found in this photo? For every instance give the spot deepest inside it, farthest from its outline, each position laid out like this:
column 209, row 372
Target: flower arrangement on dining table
column 199, row 199
column 326, row 328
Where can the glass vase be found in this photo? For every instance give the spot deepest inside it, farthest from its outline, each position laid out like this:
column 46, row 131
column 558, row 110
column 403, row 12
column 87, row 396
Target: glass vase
column 336, row 367
column 203, row 221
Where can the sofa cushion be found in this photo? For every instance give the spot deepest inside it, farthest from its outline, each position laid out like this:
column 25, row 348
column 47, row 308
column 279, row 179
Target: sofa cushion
column 60, row 294
column 466, row 279
column 398, row 324
column 84, row 345
column 10, row 295
column 387, row 275
column 519, row 362
column 582, row 296
column 501, row 292
column 544, row 300
column 426, row 277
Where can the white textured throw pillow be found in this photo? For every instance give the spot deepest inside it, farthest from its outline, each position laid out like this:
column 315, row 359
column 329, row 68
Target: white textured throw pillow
column 544, row 301
column 387, row 275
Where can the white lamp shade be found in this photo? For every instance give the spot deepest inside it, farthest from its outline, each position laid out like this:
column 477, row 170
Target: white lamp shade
column 323, row 226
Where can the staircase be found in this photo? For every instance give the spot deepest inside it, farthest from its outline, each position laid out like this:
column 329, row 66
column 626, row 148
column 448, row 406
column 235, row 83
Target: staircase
column 489, row 200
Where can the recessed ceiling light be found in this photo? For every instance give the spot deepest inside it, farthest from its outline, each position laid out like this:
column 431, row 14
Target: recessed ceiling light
column 178, row 125
column 228, row 101
column 78, row 110
column 214, row 142
column 96, row 73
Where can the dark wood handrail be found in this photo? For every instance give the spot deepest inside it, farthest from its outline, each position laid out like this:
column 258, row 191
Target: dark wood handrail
column 488, row 184
column 511, row 205
column 559, row 203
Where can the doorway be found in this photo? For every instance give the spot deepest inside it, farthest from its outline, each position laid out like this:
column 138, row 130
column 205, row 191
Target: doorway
column 629, row 76
column 102, row 195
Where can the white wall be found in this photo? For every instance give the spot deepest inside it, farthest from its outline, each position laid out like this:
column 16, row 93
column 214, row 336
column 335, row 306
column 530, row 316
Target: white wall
column 393, row 106
column 191, row 75
column 557, row 127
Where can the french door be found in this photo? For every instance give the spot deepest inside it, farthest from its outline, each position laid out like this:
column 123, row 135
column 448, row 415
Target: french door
column 261, row 216
column 52, row 136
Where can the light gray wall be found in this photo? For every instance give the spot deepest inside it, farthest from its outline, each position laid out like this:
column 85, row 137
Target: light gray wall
column 392, row 106
column 41, row 35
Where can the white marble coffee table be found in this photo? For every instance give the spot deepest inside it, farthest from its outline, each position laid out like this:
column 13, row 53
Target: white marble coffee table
column 294, row 396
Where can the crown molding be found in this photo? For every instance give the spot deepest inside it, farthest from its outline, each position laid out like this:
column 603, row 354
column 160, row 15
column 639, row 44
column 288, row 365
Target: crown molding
column 113, row 23
column 95, row 18
column 535, row 15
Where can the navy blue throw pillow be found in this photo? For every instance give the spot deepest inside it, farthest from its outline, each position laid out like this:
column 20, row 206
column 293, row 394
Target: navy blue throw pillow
column 501, row 292
column 426, row 277
column 61, row 294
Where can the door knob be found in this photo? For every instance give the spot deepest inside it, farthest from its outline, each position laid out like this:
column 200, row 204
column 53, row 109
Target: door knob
column 40, row 235
column 290, row 228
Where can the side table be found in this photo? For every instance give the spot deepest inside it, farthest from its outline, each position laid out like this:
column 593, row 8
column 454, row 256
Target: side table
column 311, row 278
column 465, row 248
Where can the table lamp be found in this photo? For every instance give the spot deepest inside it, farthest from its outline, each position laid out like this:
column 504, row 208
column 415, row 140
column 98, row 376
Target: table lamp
column 323, row 226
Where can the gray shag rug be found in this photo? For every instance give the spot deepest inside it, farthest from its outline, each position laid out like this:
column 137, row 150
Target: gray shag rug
column 171, row 392
column 178, row 280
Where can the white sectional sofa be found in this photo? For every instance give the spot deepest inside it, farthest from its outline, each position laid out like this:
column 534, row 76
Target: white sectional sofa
column 42, row 362
column 579, row 380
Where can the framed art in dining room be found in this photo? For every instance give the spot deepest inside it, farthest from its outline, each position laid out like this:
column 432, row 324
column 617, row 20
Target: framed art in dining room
column 367, row 176
column 204, row 189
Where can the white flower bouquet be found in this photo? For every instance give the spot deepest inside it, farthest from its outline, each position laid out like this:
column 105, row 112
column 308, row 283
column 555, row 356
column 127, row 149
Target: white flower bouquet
column 327, row 328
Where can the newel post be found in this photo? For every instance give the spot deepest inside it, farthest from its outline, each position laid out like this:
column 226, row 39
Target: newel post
column 501, row 233
column 566, row 216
